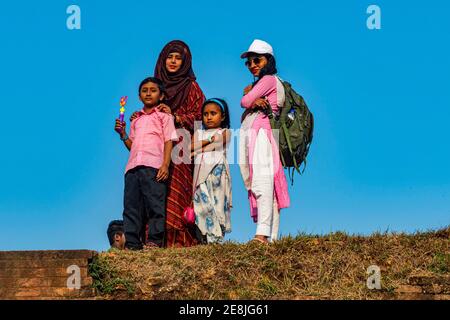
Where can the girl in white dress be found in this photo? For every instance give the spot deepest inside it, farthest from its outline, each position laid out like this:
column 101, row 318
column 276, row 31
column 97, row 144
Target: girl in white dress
column 212, row 180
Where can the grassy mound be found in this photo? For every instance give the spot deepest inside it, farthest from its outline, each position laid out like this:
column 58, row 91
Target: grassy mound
column 302, row 267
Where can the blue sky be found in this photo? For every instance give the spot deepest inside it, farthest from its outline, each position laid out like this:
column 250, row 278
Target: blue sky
column 380, row 156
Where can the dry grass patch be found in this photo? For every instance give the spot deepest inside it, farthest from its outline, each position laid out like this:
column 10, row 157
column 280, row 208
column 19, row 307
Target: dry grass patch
column 318, row 267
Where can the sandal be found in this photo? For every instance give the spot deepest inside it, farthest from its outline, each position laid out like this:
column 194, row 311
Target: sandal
column 150, row 246
column 258, row 240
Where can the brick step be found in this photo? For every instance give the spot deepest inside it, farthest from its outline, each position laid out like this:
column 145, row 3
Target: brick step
column 22, row 293
column 47, row 254
column 424, row 289
column 45, row 263
column 431, row 284
column 39, row 272
column 40, row 282
column 56, row 298
column 424, row 280
column 419, row 296
column 42, row 275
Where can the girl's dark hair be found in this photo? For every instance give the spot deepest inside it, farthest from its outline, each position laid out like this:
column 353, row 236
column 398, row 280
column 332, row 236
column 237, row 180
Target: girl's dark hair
column 154, row 80
column 270, row 68
column 223, row 107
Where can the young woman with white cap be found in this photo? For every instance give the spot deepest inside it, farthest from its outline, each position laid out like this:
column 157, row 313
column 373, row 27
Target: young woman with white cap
column 259, row 157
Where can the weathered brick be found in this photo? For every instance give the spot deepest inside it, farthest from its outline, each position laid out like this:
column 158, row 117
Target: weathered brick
column 47, row 254
column 40, row 282
column 433, row 289
column 414, row 296
column 55, row 298
column 45, row 263
column 43, row 274
column 39, row 272
column 408, row 289
column 22, row 293
column 426, row 280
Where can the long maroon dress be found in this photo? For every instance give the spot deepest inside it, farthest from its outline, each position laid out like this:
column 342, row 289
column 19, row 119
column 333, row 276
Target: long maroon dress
column 180, row 182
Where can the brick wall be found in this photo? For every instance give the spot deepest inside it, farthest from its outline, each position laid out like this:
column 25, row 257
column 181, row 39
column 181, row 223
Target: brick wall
column 43, row 275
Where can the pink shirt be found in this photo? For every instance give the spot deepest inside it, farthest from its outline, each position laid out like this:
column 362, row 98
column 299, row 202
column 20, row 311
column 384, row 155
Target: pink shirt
column 148, row 133
column 271, row 88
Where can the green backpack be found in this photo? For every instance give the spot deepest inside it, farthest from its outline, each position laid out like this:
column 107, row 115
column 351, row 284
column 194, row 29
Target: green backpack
column 295, row 124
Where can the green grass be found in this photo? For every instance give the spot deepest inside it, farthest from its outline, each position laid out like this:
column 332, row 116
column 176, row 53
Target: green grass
column 106, row 278
column 441, row 263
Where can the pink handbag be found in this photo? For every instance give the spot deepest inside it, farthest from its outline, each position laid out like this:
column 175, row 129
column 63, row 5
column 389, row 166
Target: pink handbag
column 189, row 216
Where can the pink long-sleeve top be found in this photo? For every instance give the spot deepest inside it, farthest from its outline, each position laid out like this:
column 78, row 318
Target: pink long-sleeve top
column 272, row 89
column 269, row 87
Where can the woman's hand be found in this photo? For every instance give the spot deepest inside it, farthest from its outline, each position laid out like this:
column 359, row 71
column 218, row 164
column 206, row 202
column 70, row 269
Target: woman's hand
column 262, row 103
column 134, row 116
column 164, row 108
column 248, row 89
column 163, row 173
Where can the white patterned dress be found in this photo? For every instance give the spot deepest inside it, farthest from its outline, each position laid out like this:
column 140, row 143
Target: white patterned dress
column 212, row 195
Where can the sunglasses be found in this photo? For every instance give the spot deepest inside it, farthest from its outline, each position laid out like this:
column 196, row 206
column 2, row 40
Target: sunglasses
column 254, row 60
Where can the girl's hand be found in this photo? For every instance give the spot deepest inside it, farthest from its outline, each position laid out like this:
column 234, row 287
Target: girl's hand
column 261, row 103
column 134, row 116
column 164, row 108
column 120, row 127
column 248, row 89
column 163, row 173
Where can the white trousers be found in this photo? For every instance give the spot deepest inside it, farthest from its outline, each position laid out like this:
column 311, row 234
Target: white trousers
column 263, row 188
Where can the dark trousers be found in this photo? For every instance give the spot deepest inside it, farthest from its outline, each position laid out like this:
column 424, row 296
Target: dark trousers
column 144, row 203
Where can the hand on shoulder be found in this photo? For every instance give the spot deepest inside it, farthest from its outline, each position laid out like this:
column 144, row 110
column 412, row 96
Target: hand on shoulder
column 164, row 108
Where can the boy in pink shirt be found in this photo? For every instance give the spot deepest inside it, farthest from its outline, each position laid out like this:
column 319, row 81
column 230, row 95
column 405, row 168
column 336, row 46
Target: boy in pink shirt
column 150, row 145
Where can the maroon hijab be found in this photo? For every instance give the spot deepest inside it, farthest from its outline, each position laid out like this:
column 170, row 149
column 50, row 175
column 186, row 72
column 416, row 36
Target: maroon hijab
column 177, row 84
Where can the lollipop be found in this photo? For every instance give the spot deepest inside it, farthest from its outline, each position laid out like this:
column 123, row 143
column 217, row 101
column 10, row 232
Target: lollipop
column 123, row 102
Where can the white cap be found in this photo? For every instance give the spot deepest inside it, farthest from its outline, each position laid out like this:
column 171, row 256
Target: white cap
column 259, row 47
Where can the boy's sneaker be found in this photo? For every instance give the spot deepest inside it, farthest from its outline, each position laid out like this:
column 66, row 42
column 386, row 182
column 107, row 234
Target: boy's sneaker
column 132, row 248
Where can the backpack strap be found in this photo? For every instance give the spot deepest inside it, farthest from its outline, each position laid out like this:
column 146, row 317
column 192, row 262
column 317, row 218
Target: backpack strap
column 291, row 175
column 272, row 125
column 288, row 140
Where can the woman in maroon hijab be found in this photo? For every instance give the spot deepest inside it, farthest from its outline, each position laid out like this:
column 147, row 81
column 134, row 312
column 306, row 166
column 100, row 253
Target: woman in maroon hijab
column 184, row 98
